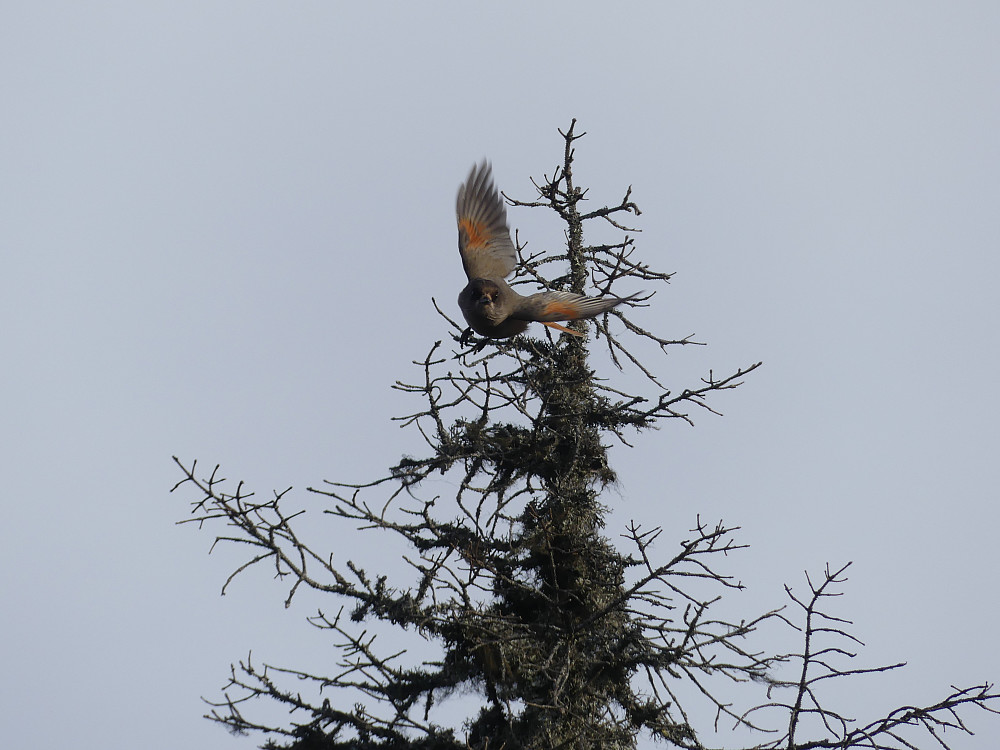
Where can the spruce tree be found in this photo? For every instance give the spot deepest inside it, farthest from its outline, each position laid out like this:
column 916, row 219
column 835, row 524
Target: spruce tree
column 568, row 640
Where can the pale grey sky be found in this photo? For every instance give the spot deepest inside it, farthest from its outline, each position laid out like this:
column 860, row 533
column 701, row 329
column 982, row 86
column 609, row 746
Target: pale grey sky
column 221, row 224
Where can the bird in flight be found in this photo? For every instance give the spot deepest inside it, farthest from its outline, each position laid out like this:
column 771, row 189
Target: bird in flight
column 490, row 306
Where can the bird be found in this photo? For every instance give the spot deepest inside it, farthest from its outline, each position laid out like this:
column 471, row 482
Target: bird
column 490, row 306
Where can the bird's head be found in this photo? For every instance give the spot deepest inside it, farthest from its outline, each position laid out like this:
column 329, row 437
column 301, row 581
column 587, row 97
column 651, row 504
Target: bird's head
column 484, row 292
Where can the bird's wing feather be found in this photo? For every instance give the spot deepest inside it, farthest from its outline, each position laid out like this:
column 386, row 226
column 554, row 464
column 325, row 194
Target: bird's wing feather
column 483, row 235
column 551, row 306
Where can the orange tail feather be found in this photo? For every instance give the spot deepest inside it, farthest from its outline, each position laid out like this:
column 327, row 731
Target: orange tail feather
column 561, row 328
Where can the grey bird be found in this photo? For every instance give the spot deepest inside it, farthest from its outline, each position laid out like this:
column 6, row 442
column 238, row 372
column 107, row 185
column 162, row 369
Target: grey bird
column 490, row 306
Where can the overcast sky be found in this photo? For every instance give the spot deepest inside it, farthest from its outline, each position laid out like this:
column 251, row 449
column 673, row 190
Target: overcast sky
column 222, row 224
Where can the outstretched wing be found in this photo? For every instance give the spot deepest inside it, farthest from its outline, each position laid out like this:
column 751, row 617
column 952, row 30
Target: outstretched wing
column 546, row 307
column 483, row 235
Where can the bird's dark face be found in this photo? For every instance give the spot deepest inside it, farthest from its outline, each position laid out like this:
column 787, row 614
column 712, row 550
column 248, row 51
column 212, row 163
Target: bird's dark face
column 484, row 292
column 487, row 305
